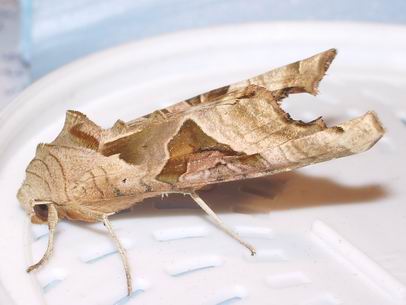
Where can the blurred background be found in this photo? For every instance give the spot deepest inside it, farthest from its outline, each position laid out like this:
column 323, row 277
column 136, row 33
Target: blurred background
column 38, row 36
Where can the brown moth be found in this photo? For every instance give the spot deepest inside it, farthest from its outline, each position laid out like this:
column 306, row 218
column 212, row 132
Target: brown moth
column 235, row 132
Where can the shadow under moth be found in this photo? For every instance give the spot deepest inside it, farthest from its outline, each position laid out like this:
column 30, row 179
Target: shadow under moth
column 231, row 133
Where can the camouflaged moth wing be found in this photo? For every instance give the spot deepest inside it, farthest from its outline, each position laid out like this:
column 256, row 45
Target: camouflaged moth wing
column 235, row 132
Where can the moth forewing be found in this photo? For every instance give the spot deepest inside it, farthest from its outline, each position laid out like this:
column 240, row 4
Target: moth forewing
column 235, row 132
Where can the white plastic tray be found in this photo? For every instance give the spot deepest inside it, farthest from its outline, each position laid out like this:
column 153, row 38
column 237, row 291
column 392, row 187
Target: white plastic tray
column 332, row 233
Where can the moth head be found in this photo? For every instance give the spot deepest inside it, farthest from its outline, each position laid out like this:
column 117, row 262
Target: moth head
column 35, row 208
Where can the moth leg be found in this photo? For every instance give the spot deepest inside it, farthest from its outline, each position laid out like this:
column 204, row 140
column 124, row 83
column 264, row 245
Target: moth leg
column 103, row 217
column 220, row 223
column 122, row 252
column 52, row 222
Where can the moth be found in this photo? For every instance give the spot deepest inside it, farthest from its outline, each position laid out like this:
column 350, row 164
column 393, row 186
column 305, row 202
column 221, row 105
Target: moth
column 234, row 132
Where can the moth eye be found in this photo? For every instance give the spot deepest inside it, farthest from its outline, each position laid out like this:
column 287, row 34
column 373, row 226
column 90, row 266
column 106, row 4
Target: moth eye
column 124, row 180
column 41, row 210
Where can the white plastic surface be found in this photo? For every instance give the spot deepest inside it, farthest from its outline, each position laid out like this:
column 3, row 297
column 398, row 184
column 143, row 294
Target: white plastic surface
column 333, row 233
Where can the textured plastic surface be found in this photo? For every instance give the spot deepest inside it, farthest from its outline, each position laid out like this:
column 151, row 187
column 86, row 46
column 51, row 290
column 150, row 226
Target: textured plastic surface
column 332, row 233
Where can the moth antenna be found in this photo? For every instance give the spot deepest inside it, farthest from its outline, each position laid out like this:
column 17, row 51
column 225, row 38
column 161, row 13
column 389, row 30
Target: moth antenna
column 122, row 251
column 52, row 222
column 220, row 223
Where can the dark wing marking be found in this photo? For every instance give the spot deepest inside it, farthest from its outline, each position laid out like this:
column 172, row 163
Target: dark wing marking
column 79, row 131
column 352, row 137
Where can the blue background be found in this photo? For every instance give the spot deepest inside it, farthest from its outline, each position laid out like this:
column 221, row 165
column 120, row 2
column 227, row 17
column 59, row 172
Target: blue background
column 57, row 32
